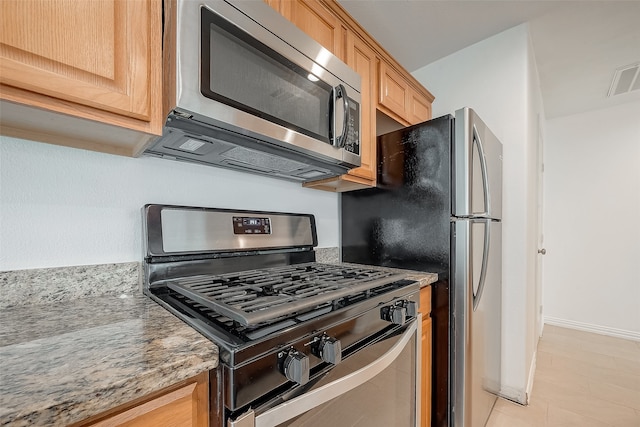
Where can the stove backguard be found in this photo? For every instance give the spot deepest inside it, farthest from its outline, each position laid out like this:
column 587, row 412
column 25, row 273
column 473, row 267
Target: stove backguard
column 174, row 232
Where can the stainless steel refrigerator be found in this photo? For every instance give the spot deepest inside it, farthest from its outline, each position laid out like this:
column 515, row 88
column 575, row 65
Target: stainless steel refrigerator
column 438, row 207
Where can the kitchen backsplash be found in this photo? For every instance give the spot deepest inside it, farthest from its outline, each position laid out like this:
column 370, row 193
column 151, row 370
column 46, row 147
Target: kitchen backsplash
column 47, row 285
column 328, row 255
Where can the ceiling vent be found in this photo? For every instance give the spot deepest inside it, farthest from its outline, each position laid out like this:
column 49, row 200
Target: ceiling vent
column 626, row 79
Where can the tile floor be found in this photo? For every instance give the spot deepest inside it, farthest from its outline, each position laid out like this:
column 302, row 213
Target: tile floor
column 582, row 379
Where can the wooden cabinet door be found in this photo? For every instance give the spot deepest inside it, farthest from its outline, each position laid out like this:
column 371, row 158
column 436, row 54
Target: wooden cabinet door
column 67, row 55
column 419, row 108
column 393, row 92
column 317, row 21
column 184, row 406
column 399, row 99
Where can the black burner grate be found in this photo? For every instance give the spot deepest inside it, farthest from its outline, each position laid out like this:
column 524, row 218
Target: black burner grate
column 256, row 296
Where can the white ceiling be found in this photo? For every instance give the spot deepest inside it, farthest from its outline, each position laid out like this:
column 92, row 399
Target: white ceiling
column 577, row 44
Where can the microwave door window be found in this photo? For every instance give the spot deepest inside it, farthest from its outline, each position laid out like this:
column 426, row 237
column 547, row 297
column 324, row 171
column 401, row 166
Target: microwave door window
column 241, row 71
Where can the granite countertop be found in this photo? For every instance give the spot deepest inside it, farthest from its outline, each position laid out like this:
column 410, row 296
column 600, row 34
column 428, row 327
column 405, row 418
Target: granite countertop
column 332, row 255
column 65, row 362
column 423, row 277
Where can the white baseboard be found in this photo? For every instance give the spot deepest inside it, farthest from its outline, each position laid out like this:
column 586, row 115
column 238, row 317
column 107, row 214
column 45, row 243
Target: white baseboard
column 596, row 329
column 521, row 396
column 516, row 395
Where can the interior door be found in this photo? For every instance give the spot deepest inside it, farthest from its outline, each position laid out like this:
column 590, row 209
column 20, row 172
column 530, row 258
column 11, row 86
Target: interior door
column 541, row 251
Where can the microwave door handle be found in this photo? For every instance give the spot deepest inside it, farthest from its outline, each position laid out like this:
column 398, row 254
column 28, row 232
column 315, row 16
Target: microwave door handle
column 339, row 92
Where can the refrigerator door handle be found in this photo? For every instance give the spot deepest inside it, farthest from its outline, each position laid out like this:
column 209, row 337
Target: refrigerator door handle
column 477, row 296
column 485, row 177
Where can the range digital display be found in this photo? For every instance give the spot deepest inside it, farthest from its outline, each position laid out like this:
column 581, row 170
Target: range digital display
column 251, row 225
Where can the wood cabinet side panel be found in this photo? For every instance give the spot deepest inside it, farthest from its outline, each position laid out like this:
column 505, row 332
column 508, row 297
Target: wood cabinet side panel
column 362, row 59
column 425, row 393
column 425, row 300
column 427, row 355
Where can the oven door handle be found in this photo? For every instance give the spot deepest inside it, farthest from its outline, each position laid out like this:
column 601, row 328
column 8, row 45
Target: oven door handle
column 301, row 404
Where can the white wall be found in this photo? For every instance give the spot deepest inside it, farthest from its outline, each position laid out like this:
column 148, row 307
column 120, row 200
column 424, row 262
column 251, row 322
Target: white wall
column 61, row 206
column 497, row 78
column 592, row 227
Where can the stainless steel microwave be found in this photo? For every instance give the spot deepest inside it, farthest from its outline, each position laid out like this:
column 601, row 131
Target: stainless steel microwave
column 246, row 89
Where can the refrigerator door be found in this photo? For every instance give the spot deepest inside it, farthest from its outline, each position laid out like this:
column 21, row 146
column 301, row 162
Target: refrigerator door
column 476, row 270
column 477, row 168
column 404, row 222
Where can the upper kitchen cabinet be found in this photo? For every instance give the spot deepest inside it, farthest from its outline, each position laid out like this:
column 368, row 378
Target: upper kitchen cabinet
column 85, row 74
column 315, row 19
column 401, row 100
column 391, row 97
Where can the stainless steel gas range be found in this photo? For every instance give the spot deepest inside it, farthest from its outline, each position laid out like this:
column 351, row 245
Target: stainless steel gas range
column 301, row 342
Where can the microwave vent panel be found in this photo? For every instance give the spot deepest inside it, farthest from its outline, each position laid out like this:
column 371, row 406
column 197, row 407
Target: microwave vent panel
column 262, row 161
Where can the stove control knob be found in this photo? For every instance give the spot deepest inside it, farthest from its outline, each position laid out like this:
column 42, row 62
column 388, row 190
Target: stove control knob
column 412, row 308
column 396, row 314
column 328, row 349
column 296, row 367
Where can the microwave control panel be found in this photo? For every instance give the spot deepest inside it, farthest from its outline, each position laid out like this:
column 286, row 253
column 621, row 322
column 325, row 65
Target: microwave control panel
column 352, row 143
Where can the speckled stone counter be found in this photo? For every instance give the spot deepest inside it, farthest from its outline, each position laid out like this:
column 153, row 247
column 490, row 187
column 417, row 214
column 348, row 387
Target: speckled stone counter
column 332, row 256
column 63, row 362
column 53, row 285
column 425, row 278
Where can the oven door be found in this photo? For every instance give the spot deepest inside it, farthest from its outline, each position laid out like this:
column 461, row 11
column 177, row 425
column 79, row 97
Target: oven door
column 375, row 386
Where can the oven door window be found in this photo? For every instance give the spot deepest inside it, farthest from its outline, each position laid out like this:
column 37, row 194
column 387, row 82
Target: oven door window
column 386, row 399
column 242, row 72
